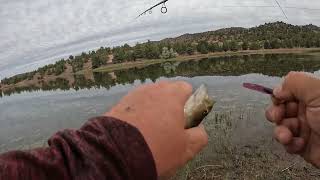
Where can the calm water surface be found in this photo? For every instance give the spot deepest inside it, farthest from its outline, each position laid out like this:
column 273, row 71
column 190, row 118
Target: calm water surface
column 28, row 117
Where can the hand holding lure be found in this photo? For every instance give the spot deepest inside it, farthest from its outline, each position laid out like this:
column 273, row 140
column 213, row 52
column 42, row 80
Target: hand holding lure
column 259, row 88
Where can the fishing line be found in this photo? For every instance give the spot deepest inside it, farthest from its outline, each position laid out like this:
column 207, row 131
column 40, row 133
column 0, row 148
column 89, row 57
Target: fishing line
column 284, row 13
column 265, row 6
column 164, row 9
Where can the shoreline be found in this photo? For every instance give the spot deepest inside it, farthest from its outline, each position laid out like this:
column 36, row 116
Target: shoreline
column 140, row 63
column 146, row 62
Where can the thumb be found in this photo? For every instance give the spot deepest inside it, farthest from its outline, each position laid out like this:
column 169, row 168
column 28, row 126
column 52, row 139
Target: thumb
column 299, row 86
column 197, row 140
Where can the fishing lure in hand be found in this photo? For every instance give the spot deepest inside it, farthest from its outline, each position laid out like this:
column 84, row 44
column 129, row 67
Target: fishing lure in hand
column 259, row 88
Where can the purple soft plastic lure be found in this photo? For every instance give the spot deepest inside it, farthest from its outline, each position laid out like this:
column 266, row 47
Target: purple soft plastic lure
column 258, row 88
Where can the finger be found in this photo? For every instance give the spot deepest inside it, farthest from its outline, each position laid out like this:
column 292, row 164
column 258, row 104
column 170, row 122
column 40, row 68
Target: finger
column 283, row 135
column 292, row 124
column 281, row 95
column 275, row 100
column 184, row 86
column 304, row 126
column 297, row 86
column 197, row 140
column 275, row 113
column 161, row 84
column 291, row 109
column 296, row 146
column 182, row 90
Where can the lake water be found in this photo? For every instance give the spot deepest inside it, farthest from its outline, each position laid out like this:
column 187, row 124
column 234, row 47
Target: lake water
column 237, row 127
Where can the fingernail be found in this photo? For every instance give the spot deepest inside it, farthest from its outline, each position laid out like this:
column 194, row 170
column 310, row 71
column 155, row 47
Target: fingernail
column 277, row 91
column 283, row 138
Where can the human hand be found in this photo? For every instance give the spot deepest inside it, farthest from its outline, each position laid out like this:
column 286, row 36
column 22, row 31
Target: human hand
column 157, row 110
column 296, row 113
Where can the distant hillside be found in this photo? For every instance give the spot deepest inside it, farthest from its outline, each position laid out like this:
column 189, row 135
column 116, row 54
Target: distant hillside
column 268, row 36
column 267, row 31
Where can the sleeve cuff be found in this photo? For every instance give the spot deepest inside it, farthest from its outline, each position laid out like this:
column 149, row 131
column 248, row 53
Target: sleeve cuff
column 131, row 145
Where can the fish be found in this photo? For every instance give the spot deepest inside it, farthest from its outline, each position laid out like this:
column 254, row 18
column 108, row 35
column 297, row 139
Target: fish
column 197, row 107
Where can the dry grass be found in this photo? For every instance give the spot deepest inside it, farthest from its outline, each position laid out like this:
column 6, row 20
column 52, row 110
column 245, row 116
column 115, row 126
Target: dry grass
column 225, row 158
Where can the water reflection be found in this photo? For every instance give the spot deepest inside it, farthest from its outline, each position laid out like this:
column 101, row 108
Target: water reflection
column 240, row 139
column 271, row 64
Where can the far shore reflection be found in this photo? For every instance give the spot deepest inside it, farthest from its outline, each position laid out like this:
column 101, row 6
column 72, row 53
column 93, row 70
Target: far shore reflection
column 271, row 64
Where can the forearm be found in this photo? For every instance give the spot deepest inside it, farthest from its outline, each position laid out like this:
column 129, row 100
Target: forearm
column 104, row 148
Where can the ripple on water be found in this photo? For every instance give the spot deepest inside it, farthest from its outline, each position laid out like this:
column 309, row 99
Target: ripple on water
column 15, row 140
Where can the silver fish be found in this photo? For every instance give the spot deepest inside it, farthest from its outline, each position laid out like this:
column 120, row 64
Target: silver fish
column 198, row 106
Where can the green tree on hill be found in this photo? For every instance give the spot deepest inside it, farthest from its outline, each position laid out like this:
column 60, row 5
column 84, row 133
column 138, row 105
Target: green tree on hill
column 275, row 44
column 226, row 46
column 254, row 46
column 167, row 54
column 233, row 45
column 203, row 47
column 77, row 63
column 245, row 45
column 84, row 55
column 190, row 50
column 152, row 51
column 288, row 43
column 130, row 55
column 214, row 47
column 318, row 43
column 97, row 62
column 126, row 47
column 139, row 50
column 59, row 67
column 180, row 48
column 267, row 45
column 119, row 55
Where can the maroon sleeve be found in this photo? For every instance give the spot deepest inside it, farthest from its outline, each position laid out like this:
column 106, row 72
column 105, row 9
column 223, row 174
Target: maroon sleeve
column 104, row 148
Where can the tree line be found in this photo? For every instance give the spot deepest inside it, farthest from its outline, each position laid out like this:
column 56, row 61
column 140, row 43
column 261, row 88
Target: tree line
column 269, row 64
column 268, row 36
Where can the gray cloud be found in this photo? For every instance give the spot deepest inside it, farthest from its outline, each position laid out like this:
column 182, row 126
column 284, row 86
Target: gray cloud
column 38, row 32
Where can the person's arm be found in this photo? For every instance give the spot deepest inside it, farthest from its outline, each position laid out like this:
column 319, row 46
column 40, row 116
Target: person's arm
column 104, row 148
column 145, row 139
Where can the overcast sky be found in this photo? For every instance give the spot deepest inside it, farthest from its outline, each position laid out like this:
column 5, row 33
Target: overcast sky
column 37, row 32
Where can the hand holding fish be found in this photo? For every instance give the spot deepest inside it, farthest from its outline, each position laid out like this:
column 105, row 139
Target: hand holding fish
column 296, row 113
column 157, row 110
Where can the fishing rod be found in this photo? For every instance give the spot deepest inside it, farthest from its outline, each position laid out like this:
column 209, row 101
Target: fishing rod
column 164, row 9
